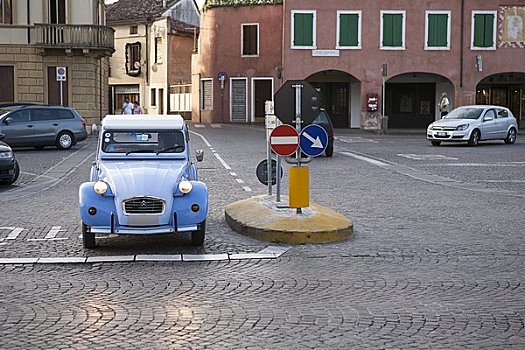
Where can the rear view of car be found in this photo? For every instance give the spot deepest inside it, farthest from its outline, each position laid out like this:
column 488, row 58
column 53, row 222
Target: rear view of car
column 39, row 126
column 472, row 124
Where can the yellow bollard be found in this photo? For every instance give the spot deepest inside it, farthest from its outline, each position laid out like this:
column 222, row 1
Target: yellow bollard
column 299, row 187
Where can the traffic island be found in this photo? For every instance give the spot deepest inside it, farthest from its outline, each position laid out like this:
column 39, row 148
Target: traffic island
column 263, row 218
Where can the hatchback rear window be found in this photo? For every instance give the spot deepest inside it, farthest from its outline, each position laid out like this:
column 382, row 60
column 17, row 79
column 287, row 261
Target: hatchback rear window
column 64, row 114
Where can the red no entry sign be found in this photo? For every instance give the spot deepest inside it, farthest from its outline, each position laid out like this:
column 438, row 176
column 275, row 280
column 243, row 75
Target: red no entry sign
column 284, row 140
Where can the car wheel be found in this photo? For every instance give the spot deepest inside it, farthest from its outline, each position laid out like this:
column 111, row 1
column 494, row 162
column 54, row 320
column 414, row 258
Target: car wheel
column 88, row 238
column 511, row 137
column 329, row 151
column 435, row 143
column 197, row 237
column 474, row 138
column 64, row 140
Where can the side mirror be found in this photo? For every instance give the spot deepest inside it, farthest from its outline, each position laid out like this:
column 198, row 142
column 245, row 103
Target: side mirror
column 8, row 120
column 488, row 118
column 2, row 136
column 199, row 155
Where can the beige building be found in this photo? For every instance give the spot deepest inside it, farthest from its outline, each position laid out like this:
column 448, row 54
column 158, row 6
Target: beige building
column 154, row 41
column 39, row 37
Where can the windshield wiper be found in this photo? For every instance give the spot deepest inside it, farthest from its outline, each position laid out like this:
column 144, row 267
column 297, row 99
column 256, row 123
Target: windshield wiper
column 172, row 148
column 140, row 151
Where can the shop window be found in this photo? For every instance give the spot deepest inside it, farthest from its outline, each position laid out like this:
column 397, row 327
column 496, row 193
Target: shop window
column 393, row 30
column 303, row 29
column 6, row 15
column 437, row 30
column 349, row 29
column 250, row 40
column 484, row 30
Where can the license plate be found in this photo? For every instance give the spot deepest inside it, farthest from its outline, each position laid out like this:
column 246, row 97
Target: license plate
column 441, row 134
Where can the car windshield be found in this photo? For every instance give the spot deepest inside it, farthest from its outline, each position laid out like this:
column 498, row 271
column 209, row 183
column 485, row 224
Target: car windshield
column 465, row 113
column 146, row 141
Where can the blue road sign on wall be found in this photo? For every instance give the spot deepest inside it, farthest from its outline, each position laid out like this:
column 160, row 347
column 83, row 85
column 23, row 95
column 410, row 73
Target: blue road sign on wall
column 313, row 140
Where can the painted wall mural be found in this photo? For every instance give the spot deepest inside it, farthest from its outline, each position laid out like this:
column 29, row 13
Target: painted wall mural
column 511, row 26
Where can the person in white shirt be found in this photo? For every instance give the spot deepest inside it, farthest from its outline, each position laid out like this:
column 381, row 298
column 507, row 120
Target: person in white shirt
column 127, row 107
column 444, row 104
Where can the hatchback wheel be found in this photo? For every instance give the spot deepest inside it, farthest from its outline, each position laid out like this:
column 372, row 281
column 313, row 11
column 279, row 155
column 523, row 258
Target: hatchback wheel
column 511, row 136
column 329, row 151
column 88, row 238
column 64, row 140
column 197, row 237
column 474, row 138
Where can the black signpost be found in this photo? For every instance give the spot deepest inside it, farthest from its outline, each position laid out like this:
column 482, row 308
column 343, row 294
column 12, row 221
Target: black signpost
column 285, row 102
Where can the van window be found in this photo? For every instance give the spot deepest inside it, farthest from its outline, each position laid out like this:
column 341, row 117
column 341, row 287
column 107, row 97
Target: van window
column 64, row 114
column 43, row 114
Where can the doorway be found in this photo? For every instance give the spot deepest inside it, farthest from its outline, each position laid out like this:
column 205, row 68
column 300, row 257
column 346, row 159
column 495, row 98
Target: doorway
column 262, row 91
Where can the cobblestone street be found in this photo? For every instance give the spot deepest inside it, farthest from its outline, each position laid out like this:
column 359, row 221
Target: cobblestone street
column 435, row 262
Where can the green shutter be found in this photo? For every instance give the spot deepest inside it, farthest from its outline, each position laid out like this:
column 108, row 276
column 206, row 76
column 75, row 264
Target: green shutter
column 489, row 27
column 393, row 30
column 303, row 29
column 437, row 30
column 348, row 29
column 483, row 30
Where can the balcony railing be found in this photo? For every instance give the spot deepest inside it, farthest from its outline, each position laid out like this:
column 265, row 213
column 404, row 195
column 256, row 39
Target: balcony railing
column 68, row 36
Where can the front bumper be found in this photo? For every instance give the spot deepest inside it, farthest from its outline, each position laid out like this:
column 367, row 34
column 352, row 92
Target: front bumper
column 7, row 169
column 439, row 135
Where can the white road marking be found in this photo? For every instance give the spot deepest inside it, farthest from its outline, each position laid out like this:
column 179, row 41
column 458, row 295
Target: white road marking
column 53, row 232
column 247, row 189
column 233, row 174
column 366, row 159
column 224, row 164
column 200, row 125
column 239, row 181
column 354, row 139
column 426, row 156
column 15, row 232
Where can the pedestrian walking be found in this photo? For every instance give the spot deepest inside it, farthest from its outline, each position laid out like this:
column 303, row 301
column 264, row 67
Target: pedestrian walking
column 136, row 108
column 127, row 106
column 444, row 104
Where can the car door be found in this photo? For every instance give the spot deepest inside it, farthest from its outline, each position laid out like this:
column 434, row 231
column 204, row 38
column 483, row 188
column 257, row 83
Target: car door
column 503, row 123
column 18, row 128
column 46, row 123
column 490, row 126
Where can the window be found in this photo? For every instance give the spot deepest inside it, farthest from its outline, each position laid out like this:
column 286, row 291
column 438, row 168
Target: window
column 133, row 30
column 437, row 30
column 7, row 87
column 250, row 40
column 483, row 30
column 6, row 15
column 133, row 59
column 207, row 94
column 57, row 11
column 393, row 30
column 20, row 116
column 43, row 114
column 303, row 30
column 158, row 50
column 349, row 29
column 153, row 97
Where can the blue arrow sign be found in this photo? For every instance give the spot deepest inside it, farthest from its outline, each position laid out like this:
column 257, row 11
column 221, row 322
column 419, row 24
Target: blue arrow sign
column 313, row 140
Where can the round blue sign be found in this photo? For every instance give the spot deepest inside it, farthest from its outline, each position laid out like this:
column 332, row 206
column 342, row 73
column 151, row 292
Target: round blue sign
column 313, row 140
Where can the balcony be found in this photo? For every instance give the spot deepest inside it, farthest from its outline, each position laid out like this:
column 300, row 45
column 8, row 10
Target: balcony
column 74, row 39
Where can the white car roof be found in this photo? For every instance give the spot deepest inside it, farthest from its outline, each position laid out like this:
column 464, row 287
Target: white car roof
column 482, row 106
column 142, row 121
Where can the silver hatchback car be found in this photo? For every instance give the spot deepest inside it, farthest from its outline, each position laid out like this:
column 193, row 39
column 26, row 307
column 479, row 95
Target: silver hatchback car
column 42, row 125
column 474, row 123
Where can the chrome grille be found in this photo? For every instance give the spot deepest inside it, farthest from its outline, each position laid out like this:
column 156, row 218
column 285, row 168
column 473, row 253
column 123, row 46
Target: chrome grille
column 143, row 205
column 443, row 128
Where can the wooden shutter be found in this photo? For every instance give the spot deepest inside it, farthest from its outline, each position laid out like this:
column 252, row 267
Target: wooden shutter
column 7, row 89
column 303, row 29
column 437, row 30
column 392, row 30
column 483, row 30
column 489, row 28
column 348, row 29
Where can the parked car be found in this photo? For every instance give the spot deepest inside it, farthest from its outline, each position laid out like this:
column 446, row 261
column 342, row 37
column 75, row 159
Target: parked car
column 41, row 125
column 474, row 123
column 143, row 181
column 9, row 168
column 323, row 120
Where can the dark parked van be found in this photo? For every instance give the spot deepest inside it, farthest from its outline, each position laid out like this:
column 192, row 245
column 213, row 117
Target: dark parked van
column 40, row 125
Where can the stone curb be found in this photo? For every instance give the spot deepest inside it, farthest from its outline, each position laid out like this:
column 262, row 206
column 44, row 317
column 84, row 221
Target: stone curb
column 262, row 218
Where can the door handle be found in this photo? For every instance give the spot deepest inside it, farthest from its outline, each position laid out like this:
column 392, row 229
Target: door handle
column 55, row 124
column 30, row 126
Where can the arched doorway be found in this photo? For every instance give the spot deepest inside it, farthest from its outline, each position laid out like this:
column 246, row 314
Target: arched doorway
column 340, row 96
column 504, row 89
column 411, row 99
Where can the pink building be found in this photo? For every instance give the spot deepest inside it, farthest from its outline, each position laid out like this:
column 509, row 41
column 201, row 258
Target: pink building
column 353, row 51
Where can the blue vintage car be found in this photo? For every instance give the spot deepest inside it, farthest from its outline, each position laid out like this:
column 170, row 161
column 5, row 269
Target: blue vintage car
column 143, row 181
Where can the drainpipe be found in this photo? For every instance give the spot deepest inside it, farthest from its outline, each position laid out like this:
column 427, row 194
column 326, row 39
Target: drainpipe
column 28, row 22
column 461, row 44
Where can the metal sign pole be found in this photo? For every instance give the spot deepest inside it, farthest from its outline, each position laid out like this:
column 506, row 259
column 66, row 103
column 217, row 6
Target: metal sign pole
column 298, row 88
column 61, row 93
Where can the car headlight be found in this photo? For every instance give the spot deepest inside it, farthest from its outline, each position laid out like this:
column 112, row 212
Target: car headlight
column 185, row 186
column 430, row 126
column 100, row 187
column 462, row 127
column 6, row 155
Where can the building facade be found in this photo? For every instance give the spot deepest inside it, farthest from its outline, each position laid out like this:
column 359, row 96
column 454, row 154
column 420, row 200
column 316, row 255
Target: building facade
column 367, row 59
column 39, row 38
column 154, row 42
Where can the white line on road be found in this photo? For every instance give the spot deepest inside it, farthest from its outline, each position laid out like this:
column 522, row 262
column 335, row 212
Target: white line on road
column 366, row 159
column 15, row 232
column 247, row 189
column 224, row 164
column 53, row 232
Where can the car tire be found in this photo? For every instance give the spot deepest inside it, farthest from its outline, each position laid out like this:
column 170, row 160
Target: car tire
column 197, row 237
column 329, row 151
column 88, row 238
column 435, row 143
column 474, row 138
column 511, row 137
column 64, row 140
